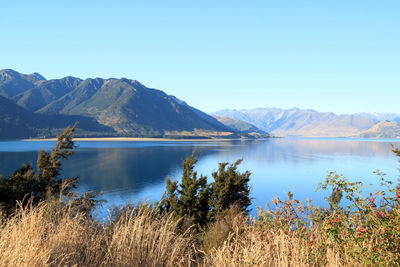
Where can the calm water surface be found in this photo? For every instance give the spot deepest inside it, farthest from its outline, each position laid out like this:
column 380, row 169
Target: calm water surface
column 135, row 171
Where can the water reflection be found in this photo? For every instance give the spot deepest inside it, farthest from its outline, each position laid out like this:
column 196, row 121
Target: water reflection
column 115, row 169
column 131, row 171
column 300, row 150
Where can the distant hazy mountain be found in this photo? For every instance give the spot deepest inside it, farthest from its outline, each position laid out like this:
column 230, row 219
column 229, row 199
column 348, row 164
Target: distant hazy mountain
column 301, row 123
column 121, row 107
column 384, row 129
column 380, row 116
column 242, row 127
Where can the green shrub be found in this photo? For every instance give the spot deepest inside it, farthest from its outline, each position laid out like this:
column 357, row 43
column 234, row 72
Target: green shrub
column 201, row 203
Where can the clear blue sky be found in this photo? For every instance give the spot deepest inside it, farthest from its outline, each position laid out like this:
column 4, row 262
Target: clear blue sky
column 341, row 56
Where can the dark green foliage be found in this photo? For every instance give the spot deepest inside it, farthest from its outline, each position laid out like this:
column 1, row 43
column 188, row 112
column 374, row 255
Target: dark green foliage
column 202, row 202
column 25, row 185
column 230, row 187
column 49, row 165
column 17, row 186
column 191, row 197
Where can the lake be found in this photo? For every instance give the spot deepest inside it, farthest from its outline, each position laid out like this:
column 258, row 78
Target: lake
column 128, row 172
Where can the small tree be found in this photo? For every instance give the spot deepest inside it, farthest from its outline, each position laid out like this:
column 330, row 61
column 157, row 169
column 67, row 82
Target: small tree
column 24, row 184
column 195, row 198
column 229, row 187
column 49, row 166
column 190, row 197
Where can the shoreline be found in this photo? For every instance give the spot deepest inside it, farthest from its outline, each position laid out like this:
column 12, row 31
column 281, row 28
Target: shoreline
column 135, row 139
column 150, row 139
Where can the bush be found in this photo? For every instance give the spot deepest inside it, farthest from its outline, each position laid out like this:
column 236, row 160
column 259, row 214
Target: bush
column 189, row 199
column 201, row 203
column 229, row 188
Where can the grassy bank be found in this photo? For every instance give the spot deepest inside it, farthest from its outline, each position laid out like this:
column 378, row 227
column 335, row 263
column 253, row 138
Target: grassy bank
column 291, row 234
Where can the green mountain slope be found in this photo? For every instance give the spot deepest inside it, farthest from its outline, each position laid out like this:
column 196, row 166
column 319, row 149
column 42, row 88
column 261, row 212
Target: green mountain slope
column 123, row 107
column 17, row 122
column 130, row 108
column 45, row 92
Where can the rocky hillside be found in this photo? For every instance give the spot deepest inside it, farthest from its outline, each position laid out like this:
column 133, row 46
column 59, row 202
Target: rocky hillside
column 120, row 107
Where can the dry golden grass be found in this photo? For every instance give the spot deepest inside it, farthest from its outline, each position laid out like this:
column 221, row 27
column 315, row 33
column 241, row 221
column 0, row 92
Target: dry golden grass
column 47, row 236
column 23, row 240
column 148, row 239
column 251, row 245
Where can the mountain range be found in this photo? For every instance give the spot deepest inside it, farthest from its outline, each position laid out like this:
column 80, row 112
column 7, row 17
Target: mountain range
column 32, row 106
column 310, row 123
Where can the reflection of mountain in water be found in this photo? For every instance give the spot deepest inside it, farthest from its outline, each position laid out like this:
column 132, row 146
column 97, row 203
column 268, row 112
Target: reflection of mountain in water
column 110, row 169
column 127, row 169
column 11, row 161
column 296, row 150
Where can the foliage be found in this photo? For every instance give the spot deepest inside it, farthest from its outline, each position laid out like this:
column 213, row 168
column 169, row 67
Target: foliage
column 229, row 187
column 25, row 185
column 49, row 166
column 367, row 231
column 200, row 202
column 190, row 198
